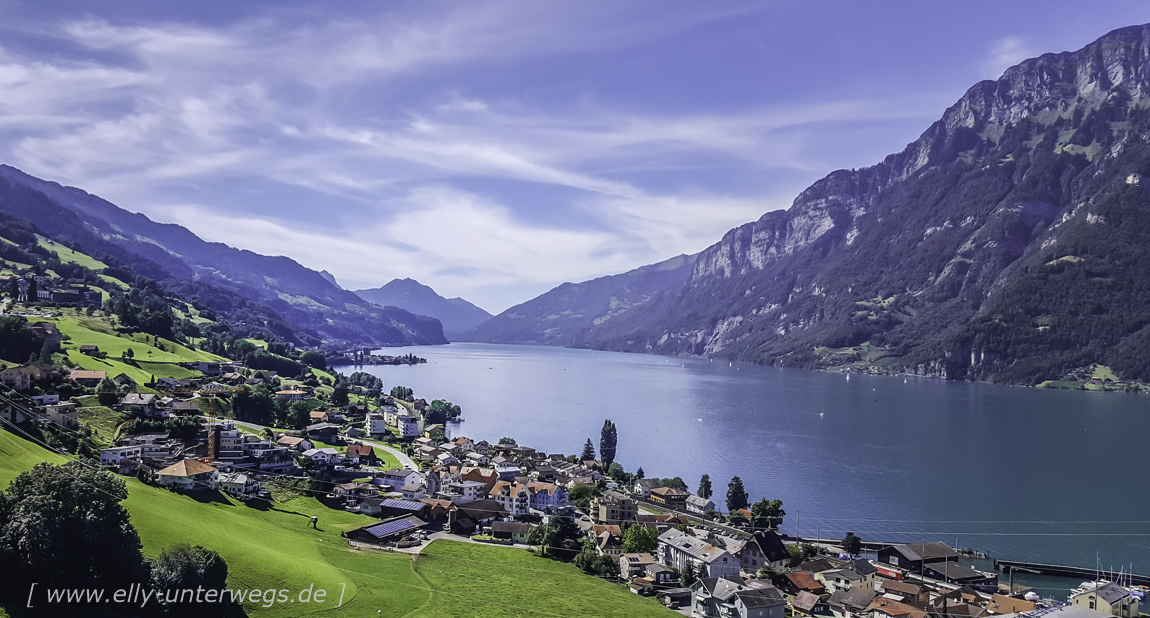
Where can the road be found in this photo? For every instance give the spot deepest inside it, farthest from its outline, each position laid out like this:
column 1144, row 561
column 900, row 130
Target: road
column 404, row 460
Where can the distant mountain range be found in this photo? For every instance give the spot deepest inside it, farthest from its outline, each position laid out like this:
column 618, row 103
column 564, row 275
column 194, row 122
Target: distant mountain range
column 312, row 304
column 456, row 314
column 1009, row 242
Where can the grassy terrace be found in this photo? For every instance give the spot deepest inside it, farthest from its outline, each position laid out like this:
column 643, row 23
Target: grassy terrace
column 67, row 255
column 272, row 547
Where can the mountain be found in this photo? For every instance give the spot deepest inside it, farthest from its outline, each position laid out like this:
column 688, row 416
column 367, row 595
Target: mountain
column 583, row 313
column 1009, row 242
column 330, row 278
column 301, row 296
column 456, row 314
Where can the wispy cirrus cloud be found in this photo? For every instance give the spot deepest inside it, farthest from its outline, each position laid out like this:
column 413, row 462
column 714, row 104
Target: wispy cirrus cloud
column 366, row 147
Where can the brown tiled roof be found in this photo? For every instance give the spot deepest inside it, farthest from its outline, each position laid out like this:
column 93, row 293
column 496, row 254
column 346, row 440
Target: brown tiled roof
column 804, row 581
column 187, row 467
column 362, row 450
column 1001, row 604
column 85, row 374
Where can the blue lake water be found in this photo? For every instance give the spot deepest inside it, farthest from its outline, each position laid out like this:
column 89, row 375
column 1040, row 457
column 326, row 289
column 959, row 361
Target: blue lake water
column 1022, row 473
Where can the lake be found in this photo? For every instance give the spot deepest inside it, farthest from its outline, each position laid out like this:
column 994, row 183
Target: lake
column 1021, row 473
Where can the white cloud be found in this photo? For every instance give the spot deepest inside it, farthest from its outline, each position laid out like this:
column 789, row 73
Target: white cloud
column 1005, row 53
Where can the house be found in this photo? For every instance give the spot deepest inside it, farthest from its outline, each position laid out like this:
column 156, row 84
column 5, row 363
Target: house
column 116, row 455
column 699, row 505
column 407, row 426
column 478, row 513
column 62, row 414
column 238, row 484
column 1107, row 598
column 191, row 407
column 295, row 443
column 851, row 603
column 397, row 478
column 18, row 378
column 508, row 471
column 363, row 454
column 643, row 487
column 189, row 474
column 1002, row 604
column 122, row 379
column 388, row 531
column 952, row 572
column 322, row 456
column 292, row 394
column 670, row 496
column 90, row 350
column 85, row 377
column 635, row 565
column 466, row 491
column 140, row 404
column 683, row 551
column 514, row 531
column 808, row 604
column 513, row 497
column 607, row 540
column 49, row 332
column 883, row 607
column 764, row 549
column 613, row 508
column 476, row 459
column 394, row 507
column 375, row 424
column 912, row 556
column 546, row 496
column 482, row 475
column 714, row 597
column 798, row 581
column 414, row 491
column 323, row 431
column 911, row 593
column 319, row 416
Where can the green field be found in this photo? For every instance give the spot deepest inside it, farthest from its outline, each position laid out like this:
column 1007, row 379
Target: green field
column 67, row 255
column 273, row 548
column 103, row 421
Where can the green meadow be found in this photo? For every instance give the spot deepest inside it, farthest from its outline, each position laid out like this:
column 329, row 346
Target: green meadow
column 273, row 547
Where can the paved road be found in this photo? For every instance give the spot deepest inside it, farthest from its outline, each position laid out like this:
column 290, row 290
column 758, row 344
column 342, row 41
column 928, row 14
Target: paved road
column 404, row 460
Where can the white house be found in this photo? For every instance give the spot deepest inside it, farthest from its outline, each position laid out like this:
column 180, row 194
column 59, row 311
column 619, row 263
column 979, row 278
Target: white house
column 238, row 484
column 117, row 454
column 408, row 426
column 322, row 456
column 546, row 496
column 683, row 551
column 189, row 474
column 376, row 424
column 515, row 498
column 397, row 478
column 696, row 504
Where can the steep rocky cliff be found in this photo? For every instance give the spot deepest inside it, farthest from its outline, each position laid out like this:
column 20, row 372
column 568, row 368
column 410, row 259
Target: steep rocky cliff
column 1008, row 242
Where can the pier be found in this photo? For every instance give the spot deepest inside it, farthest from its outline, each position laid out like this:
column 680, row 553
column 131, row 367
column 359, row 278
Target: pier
column 1009, row 566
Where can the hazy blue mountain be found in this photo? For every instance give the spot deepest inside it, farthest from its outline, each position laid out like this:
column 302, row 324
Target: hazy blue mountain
column 582, row 313
column 456, row 314
column 1009, row 242
column 161, row 250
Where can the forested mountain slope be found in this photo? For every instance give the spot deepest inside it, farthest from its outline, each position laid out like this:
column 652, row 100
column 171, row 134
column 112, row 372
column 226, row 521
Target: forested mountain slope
column 303, row 297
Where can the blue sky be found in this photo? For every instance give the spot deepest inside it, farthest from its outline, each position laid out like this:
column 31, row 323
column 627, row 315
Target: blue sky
column 491, row 150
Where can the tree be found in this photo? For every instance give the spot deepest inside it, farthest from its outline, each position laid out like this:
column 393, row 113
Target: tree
column 106, row 392
column 705, row 491
column 852, row 544
column 314, row 359
column 588, row 451
column 688, row 577
column 339, row 396
column 640, row 539
column 608, row 440
column 402, row 393
column 800, row 553
column 505, row 441
column 767, row 514
column 183, row 567
column 737, row 497
column 639, row 473
column 65, row 526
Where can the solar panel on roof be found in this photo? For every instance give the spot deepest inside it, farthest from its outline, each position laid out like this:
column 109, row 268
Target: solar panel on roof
column 388, row 528
column 396, row 503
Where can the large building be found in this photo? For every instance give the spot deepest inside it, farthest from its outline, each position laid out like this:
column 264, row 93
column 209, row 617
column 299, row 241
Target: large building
column 683, row 551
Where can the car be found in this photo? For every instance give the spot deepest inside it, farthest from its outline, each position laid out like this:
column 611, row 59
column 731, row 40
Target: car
column 265, row 494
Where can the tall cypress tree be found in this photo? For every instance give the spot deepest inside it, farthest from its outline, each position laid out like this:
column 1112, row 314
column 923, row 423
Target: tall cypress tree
column 608, row 440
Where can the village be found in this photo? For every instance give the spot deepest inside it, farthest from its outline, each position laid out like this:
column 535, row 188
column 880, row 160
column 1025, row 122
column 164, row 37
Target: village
column 382, row 457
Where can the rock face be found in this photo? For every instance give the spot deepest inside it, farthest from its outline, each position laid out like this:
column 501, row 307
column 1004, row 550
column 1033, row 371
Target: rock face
column 1008, row 242
column 456, row 314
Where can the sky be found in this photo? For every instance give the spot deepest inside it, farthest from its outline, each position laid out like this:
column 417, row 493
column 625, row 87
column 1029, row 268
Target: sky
column 490, row 150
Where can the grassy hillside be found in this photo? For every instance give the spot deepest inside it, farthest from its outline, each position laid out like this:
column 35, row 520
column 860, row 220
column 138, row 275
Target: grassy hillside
column 274, row 548
column 68, row 255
